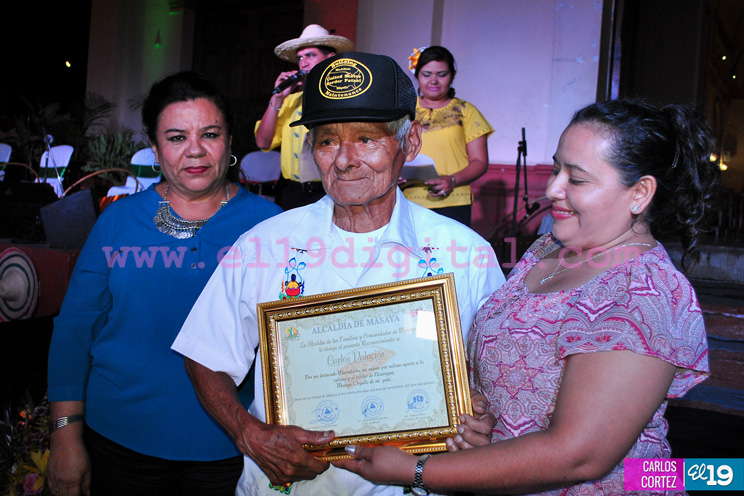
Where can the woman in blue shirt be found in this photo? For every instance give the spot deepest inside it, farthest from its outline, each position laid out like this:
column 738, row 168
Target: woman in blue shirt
column 125, row 418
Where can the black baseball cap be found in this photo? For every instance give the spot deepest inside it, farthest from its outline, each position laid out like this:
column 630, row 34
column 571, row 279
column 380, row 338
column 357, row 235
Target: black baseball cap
column 356, row 86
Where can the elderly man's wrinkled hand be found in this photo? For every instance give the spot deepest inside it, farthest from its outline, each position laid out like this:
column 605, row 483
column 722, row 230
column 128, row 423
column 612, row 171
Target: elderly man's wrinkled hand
column 278, row 451
column 473, row 430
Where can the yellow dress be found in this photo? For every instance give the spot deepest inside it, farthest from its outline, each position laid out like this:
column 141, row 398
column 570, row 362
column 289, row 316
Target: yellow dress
column 447, row 131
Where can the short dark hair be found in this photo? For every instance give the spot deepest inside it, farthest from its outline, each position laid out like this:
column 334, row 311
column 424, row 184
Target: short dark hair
column 672, row 144
column 325, row 49
column 181, row 87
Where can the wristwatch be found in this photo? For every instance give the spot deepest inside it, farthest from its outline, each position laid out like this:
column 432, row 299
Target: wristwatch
column 418, row 481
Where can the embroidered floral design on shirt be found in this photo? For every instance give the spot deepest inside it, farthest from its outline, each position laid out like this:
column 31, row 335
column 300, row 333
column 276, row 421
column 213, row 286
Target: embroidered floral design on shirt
column 293, row 284
column 429, row 264
column 433, row 121
column 281, row 488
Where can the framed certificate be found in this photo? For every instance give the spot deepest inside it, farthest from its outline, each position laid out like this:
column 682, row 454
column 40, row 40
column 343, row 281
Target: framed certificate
column 381, row 364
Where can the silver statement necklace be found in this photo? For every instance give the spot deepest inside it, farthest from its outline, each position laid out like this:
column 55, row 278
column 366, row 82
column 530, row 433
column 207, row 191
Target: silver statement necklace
column 603, row 252
column 179, row 228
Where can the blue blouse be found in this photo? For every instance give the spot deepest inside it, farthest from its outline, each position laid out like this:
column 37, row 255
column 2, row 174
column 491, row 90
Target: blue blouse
column 130, row 291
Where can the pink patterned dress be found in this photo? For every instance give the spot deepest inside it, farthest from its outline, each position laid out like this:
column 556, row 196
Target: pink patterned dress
column 520, row 341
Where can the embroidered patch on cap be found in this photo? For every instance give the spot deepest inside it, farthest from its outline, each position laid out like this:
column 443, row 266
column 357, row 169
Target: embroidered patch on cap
column 356, row 87
column 345, row 78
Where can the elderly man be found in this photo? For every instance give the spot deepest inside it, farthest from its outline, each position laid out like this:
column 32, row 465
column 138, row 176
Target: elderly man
column 358, row 107
column 300, row 184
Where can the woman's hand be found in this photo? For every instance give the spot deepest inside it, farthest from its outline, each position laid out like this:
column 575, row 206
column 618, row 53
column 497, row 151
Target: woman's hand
column 477, row 151
column 441, row 186
column 473, row 431
column 591, row 430
column 380, row 464
column 68, row 472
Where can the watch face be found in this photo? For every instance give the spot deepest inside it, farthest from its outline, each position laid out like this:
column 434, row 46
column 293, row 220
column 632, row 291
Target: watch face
column 419, row 491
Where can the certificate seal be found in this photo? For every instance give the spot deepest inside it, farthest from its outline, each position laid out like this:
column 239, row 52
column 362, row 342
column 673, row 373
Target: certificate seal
column 326, row 412
column 372, row 407
column 418, row 400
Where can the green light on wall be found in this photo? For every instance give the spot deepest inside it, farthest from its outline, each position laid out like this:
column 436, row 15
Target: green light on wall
column 158, row 42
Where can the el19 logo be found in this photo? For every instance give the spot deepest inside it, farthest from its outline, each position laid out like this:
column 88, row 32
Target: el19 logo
column 714, row 474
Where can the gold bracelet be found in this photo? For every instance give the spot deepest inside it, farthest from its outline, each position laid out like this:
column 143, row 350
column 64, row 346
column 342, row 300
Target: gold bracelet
column 454, row 181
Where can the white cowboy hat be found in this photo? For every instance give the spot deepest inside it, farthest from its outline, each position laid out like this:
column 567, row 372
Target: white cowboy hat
column 312, row 35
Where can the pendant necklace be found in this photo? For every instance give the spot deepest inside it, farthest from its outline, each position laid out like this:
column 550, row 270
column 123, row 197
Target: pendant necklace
column 179, row 228
column 556, row 271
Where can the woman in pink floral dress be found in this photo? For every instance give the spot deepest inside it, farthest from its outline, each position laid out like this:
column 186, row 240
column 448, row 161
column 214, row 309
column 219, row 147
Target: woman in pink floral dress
column 595, row 328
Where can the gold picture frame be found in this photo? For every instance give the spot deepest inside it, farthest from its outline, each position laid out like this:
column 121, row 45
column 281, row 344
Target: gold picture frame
column 381, row 364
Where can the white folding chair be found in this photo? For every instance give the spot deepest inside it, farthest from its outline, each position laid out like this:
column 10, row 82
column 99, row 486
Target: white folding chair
column 52, row 166
column 141, row 166
column 5, row 151
column 261, row 171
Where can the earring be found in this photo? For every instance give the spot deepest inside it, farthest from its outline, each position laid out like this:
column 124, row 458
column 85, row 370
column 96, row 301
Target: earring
column 634, row 209
column 418, row 91
column 234, row 160
column 157, row 171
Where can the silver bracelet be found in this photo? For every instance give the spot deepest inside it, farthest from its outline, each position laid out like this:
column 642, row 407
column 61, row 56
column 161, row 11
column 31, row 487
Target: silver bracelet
column 274, row 108
column 63, row 421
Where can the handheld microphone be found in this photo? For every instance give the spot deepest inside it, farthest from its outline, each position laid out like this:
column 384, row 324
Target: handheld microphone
column 290, row 81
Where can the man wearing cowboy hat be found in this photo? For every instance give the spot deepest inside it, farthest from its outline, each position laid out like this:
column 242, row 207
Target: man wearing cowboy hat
column 302, row 185
column 360, row 110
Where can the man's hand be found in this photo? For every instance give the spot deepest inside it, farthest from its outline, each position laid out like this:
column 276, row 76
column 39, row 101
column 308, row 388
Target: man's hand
column 267, row 127
column 285, row 93
column 278, row 451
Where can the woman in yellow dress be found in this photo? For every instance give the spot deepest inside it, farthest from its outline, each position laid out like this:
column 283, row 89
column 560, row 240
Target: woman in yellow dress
column 455, row 135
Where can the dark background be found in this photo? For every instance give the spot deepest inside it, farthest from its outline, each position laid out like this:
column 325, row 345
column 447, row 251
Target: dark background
column 39, row 38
